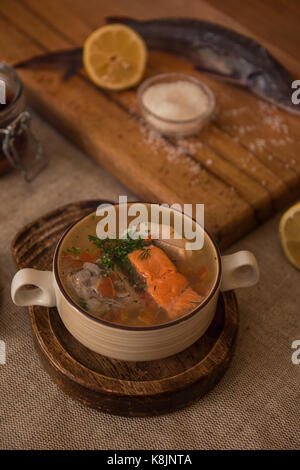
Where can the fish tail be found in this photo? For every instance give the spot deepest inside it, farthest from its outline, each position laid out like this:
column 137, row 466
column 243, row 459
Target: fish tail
column 67, row 61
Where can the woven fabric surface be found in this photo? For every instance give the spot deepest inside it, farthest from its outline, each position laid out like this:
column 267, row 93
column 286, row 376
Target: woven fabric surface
column 256, row 404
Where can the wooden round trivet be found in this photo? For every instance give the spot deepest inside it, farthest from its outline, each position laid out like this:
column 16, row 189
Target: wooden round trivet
column 124, row 388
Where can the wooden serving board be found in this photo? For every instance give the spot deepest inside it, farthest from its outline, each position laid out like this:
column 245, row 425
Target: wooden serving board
column 119, row 387
column 244, row 166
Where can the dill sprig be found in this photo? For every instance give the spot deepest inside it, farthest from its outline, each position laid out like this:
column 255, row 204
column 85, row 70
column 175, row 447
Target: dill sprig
column 75, row 251
column 83, row 304
column 145, row 253
column 116, row 251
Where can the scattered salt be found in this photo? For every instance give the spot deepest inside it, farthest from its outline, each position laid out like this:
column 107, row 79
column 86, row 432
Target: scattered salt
column 285, row 129
column 174, row 154
column 189, row 147
column 195, row 181
column 260, row 144
column 235, row 111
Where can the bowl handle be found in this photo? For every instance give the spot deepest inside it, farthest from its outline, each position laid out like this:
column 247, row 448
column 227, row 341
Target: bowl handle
column 42, row 294
column 239, row 270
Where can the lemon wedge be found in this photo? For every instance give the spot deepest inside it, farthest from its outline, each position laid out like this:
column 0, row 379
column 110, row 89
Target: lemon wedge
column 289, row 231
column 114, row 57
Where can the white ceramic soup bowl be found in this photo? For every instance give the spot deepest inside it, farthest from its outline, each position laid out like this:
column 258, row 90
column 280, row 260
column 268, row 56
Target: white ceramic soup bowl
column 126, row 342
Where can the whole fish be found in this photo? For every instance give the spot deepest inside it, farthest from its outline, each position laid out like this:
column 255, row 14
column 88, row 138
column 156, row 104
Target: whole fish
column 212, row 48
column 220, row 51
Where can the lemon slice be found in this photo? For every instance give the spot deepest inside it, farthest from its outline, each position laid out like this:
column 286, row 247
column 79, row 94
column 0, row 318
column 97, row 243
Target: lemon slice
column 114, row 57
column 289, row 231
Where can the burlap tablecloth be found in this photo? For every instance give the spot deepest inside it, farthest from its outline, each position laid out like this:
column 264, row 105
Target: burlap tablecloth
column 256, row 404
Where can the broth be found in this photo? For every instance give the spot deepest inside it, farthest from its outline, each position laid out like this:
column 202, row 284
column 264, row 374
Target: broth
column 155, row 282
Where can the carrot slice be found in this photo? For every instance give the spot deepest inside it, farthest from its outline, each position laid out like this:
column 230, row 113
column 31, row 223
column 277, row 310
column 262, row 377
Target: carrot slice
column 113, row 276
column 87, row 257
column 72, row 261
column 106, row 287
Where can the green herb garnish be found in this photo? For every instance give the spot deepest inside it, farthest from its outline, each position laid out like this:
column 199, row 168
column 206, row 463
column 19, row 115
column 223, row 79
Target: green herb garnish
column 93, row 217
column 83, row 305
column 75, row 251
column 145, row 253
column 115, row 252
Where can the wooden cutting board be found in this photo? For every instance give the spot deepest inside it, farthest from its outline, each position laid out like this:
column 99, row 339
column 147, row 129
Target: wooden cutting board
column 244, row 166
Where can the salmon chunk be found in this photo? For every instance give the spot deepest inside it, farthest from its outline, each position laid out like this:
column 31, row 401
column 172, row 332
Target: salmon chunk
column 165, row 284
column 167, row 288
column 155, row 265
column 184, row 303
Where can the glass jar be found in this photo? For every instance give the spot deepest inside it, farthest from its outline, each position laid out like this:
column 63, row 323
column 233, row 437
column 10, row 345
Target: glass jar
column 18, row 146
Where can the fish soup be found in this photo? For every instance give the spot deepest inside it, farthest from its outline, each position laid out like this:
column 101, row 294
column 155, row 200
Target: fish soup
column 134, row 283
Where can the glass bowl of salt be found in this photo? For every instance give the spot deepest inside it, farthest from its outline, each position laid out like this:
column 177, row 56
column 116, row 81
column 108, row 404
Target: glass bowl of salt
column 176, row 104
